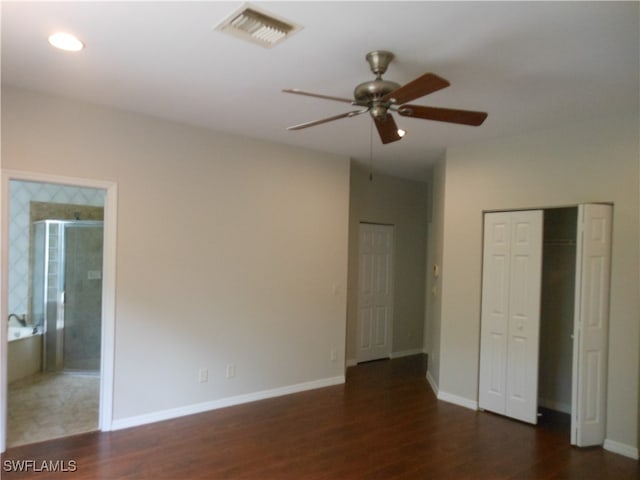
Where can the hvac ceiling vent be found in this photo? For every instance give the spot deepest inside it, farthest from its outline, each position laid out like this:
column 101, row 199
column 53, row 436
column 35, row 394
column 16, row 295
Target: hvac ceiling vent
column 257, row 26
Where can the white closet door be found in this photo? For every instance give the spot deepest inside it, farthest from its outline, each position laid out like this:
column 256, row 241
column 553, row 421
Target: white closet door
column 524, row 315
column 510, row 323
column 495, row 312
column 591, row 324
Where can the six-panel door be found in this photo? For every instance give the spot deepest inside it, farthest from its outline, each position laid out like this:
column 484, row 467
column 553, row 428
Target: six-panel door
column 510, row 318
column 375, row 291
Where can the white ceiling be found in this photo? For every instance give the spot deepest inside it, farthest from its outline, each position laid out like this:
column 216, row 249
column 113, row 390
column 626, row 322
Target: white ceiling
column 530, row 65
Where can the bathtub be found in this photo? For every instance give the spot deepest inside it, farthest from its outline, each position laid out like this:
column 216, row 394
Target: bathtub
column 16, row 333
column 24, row 352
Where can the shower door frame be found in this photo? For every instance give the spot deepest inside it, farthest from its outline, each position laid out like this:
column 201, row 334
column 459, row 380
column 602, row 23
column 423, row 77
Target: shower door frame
column 105, row 415
column 58, row 358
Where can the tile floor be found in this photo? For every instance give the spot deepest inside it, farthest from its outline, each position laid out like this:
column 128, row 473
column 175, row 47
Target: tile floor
column 51, row 405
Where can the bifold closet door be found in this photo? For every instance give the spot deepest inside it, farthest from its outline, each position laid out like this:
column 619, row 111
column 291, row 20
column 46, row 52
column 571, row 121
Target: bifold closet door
column 510, row 319
column 591, row 324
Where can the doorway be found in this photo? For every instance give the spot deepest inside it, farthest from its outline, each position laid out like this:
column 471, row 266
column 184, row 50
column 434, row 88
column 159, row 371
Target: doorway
column 92, row 367
column 557, row 310
column 375, row 291
column 544, row 323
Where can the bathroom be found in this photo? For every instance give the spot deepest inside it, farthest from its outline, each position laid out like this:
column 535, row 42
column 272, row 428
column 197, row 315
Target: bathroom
column 54, row 305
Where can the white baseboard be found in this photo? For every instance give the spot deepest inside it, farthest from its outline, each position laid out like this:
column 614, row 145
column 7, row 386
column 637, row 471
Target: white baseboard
column 553, row 405
column 352, row 362
column 621, row 449
column 432, row 383
column 456, row 400
column 406, row 353
column 159, row 416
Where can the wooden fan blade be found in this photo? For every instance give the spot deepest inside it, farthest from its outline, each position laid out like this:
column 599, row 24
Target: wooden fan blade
column 328, row 119
column 421, row 86
column 387, row 129
column 317, row 95
column 450, row 115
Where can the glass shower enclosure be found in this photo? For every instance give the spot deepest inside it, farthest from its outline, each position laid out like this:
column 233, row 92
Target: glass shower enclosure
column 66, row 293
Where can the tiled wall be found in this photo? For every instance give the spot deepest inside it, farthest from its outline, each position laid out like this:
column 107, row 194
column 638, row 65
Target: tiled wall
column 20, row 195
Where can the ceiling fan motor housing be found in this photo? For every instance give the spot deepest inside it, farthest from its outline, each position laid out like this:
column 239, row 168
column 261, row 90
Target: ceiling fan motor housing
column 369, row 94
column 375, row 89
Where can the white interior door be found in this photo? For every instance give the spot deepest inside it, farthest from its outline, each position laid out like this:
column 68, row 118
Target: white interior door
column 375, row 291
column 510, row 318
column 591, row 324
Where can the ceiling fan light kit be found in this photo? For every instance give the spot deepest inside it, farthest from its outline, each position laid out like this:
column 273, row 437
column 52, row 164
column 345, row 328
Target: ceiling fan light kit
column 380, row 97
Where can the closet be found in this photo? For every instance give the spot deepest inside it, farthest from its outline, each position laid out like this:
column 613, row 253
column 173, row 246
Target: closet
column 544, row 318
column 557, row 308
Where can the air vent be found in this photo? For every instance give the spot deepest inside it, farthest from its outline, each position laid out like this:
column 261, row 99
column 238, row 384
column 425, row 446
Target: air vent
column 257, row 26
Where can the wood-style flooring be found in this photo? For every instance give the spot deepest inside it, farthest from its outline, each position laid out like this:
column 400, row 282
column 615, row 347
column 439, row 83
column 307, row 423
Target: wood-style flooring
column 384, row 423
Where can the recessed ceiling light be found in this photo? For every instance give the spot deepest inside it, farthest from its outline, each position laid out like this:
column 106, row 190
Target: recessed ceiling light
column 401, row 132
column 66, row 41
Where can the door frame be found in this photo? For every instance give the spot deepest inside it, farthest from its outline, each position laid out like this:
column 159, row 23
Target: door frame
column 391, row 322
column 105, row 415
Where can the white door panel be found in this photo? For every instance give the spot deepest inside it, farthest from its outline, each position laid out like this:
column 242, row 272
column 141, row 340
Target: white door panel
column 375, row 291
column 495, row 297
column 524, row 316
column 510, row 324
column 591, row 324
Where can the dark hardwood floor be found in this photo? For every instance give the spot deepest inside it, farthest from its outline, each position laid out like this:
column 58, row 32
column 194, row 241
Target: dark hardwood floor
column 384, row 423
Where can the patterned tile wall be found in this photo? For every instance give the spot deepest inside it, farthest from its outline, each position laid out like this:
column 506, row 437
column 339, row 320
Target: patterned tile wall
column 20, row 195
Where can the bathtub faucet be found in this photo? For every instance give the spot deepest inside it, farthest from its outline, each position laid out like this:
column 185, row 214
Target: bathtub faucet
column 21, row 320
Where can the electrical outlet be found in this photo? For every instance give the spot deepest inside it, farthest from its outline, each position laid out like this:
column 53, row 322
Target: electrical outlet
column 231, row 370
column 333, row 356
column 203, row 375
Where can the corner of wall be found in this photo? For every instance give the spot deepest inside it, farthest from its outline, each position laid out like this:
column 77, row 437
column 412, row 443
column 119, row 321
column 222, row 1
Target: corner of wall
column 621, row 449
column 433, row 305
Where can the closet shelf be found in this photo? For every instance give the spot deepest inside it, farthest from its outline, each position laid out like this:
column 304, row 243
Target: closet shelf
column 571, row 243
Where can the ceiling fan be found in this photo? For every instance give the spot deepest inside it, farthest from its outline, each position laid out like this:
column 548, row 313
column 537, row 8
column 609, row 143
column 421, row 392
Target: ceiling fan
column 380, row 97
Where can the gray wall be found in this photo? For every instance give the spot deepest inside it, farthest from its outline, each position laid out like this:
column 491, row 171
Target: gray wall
column 229, row 250
column 402, row 203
